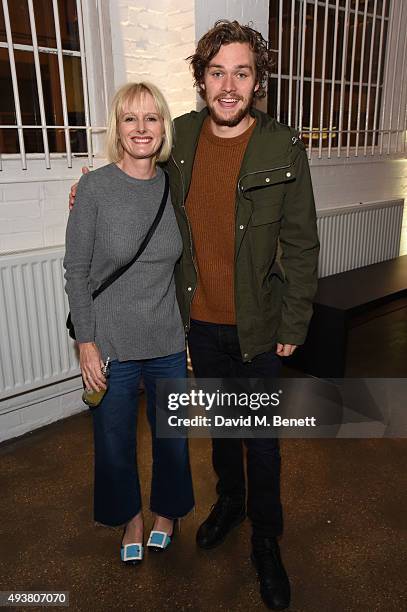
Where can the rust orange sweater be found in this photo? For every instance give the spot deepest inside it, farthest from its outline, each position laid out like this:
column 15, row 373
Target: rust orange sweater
column 210, row 207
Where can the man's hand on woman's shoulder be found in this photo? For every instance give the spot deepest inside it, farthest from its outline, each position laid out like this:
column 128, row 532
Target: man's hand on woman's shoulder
column 72, row 193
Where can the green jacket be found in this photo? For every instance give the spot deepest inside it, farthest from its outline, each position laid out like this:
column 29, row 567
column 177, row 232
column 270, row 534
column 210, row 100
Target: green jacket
column 276, row 242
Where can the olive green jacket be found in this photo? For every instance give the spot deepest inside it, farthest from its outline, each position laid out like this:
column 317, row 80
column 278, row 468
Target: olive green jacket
column 276, row 242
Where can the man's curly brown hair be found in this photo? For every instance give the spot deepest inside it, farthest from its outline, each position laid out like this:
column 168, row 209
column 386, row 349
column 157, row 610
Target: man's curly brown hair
column 225, row 32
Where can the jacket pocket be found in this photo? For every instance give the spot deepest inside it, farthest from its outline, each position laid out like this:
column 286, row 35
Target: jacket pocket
column 266, row 213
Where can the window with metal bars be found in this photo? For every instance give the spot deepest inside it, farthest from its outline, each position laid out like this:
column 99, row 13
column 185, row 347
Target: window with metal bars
column 44, row 101
column 331, row 72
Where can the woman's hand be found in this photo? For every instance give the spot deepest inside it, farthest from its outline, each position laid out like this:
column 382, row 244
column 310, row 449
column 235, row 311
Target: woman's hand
column 91, row 365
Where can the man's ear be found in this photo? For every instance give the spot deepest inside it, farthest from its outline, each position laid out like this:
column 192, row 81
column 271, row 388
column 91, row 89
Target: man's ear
column 256, row 86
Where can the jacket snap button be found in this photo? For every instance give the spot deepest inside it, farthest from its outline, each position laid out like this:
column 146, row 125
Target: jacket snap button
column 245, row 355
column 288, row 174
column 267, row 180
column 189, row 288
column 182, row 161
column 241, row 226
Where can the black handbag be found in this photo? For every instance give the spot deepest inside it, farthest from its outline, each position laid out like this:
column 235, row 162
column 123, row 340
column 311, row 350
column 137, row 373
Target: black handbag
column 123, row 269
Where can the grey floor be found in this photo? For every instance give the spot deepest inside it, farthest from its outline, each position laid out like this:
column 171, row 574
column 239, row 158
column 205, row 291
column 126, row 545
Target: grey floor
column 345, row 507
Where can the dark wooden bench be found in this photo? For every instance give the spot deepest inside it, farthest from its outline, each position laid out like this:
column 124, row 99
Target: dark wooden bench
column 341, row 302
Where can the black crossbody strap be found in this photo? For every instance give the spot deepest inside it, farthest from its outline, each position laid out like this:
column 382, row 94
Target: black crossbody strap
column 143, row 245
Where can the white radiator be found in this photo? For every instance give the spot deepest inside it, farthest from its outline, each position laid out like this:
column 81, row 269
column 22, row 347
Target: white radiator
column 358, row 235
column 35, row 349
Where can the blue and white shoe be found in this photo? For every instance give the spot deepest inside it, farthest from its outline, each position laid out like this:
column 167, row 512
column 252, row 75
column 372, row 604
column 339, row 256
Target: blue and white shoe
column 132, row 554
column 158, row 540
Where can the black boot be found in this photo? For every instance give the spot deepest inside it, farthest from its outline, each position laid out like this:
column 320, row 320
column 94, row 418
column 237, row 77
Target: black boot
column 224, row 515
column 274, row 583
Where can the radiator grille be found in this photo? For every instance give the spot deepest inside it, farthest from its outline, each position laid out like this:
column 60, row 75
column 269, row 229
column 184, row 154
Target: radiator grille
column 358, row 235
column 35, row 348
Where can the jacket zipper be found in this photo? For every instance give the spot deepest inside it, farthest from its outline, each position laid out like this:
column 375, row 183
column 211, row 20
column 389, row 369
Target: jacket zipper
column 190, row 238
column 241, row 189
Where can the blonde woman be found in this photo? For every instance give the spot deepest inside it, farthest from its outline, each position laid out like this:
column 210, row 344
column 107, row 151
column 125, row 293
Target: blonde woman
column 135, row 321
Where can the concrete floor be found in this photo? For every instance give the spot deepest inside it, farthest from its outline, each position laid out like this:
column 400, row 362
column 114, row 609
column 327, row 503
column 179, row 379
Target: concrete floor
column 345, row 525
column 344, row 544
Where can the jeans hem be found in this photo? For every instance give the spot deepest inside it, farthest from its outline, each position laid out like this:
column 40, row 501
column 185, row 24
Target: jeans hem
column 115, row 524
column 172, row 518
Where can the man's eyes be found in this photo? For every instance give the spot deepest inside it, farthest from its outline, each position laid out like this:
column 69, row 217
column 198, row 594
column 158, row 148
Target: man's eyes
column 240, row 75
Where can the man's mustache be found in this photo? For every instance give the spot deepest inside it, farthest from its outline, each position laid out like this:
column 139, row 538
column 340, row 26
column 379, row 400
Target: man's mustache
column 230, row 96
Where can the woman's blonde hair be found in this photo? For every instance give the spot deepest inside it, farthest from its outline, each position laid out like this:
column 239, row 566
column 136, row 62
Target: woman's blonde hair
column 124, row 97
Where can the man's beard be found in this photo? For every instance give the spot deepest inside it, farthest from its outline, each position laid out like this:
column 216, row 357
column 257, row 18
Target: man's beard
column 235, row 119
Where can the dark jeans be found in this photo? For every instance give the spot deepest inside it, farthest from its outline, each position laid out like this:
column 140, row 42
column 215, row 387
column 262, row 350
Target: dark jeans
column 215, row 353
column 117, row 495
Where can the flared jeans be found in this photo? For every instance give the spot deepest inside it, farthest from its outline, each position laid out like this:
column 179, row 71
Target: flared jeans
column 117, row 497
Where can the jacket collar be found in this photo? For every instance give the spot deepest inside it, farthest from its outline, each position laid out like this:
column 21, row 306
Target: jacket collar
column 270, row 143
column 267, row 158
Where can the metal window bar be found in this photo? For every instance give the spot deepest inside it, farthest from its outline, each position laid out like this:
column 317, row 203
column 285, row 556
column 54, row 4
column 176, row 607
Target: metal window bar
column 331, row 4
column 390, row 115
column 369, row 86
column 297, row 89
column 386, row 71
column 361, row 68
column 15, row 85
column 379, row 75
column 62, row 83
column 352, row 72
column 103, row 54
column 314, row 42
column 39, row 84
column 50, row 50
column 400, row 134
column 346, row 26
column 290, row 82
column 321, row 111
column 280, row 46
column 84, row 83
column 331, row 110
column 318, row 80
column 304, row 25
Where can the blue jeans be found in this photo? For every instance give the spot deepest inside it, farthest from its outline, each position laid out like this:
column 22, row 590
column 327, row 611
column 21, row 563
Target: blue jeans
column 215, row 353
column 117, row 496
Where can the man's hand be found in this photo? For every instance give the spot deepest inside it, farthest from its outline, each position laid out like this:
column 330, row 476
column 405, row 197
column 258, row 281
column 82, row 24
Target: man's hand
column 91, row 365
column 285, row 350
column 74, row 187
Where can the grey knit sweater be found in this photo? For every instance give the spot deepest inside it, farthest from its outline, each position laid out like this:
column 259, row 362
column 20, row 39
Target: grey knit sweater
column 137, row 317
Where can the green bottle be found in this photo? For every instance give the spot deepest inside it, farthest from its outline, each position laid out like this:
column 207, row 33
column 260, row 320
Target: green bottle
column 93, row 398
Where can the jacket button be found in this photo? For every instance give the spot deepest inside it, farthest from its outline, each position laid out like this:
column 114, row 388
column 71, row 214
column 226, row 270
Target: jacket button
column 245, row 355
column 267, row 180
column 182, row 161
column 288, row 174
column 241, row 226
column 189, row 288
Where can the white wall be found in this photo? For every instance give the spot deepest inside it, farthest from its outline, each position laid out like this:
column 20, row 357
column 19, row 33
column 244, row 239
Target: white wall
column 340, row 182
column 253, row 12
column 150, row 41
